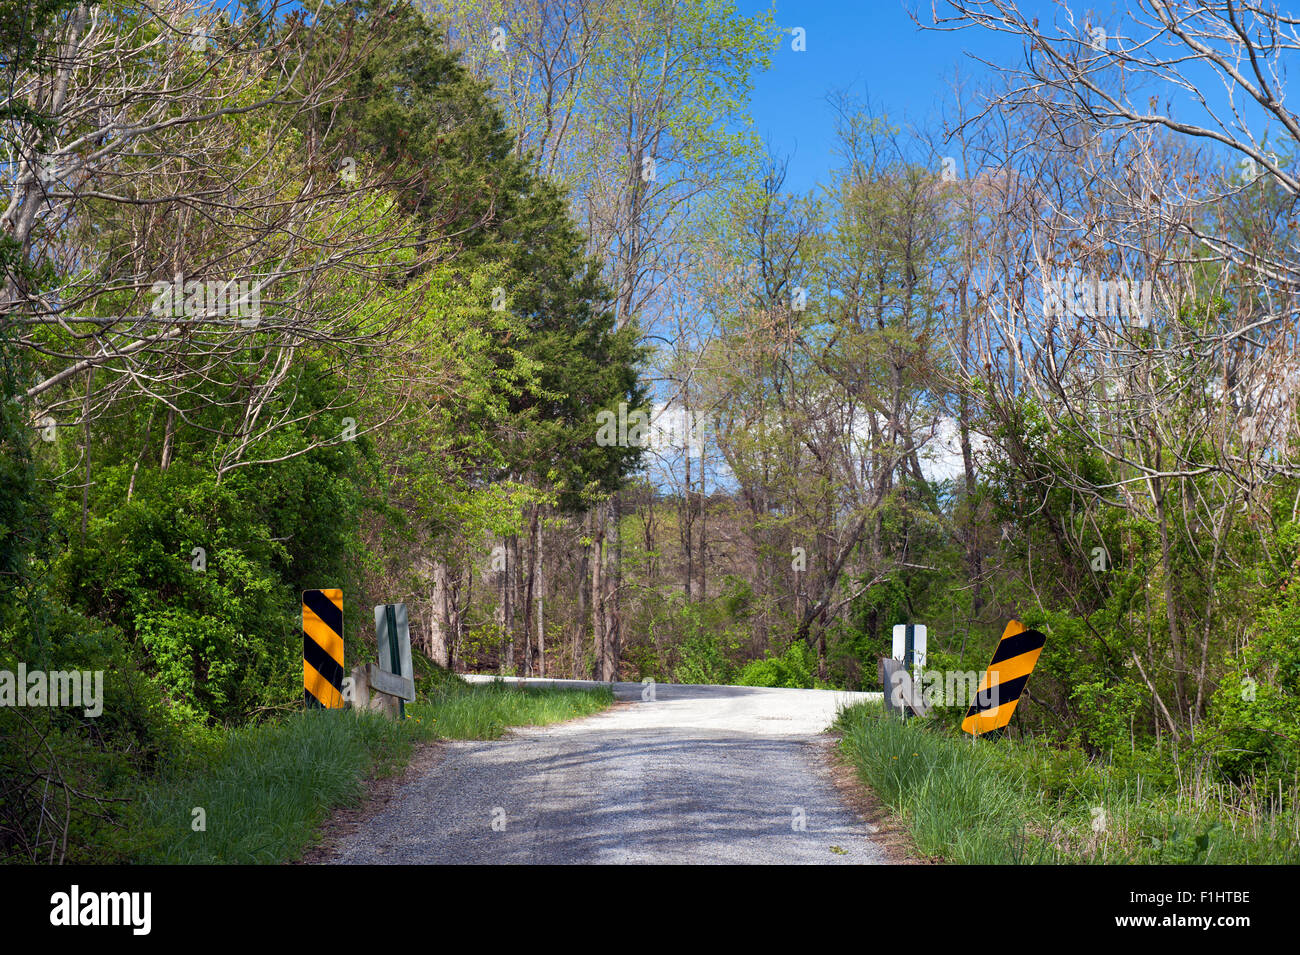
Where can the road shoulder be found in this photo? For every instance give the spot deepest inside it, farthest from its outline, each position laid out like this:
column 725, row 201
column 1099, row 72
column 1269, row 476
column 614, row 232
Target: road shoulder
column 379, row 792
column 887, row 831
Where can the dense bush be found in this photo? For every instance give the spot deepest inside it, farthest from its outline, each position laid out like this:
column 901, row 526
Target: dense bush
column 1255, row 714
column 712, row 632
column 796, row 667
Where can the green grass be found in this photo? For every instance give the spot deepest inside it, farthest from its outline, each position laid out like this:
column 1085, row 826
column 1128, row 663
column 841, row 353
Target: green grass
column 264, row 789
column 268, row 787
column 1006, row 801
column 486, row 710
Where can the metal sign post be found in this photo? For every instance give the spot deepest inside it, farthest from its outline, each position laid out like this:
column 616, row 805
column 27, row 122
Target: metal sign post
column 909, row 649
column 902, row 696
column 393, row 636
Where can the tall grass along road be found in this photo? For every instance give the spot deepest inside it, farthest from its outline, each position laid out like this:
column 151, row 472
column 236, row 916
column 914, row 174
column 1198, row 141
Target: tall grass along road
column 264, row 790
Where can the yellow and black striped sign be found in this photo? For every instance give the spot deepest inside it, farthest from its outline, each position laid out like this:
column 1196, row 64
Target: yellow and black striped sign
column 322, row 648
column 1005, row 679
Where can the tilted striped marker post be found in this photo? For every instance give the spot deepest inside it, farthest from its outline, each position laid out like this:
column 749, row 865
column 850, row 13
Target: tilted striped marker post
column 322, row 648
column 1004, row 680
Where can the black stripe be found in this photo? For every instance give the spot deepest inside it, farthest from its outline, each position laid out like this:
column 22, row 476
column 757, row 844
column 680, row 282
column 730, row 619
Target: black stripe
column 323, row 607
column 1026, row 641
column 997, row 695
column 325, row 664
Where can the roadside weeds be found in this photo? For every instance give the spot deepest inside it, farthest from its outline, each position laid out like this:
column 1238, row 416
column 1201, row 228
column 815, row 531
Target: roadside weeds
column 888, row 831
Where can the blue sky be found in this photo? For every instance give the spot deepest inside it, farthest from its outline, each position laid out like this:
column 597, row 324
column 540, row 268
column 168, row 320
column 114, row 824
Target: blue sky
column 869, row 48
column 872, row 49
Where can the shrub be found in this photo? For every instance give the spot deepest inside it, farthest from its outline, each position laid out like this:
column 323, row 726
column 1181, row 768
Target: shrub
column 796, row 667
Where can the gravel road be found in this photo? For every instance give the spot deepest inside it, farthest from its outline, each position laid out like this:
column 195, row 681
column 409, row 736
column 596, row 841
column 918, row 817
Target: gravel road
column 698, row 774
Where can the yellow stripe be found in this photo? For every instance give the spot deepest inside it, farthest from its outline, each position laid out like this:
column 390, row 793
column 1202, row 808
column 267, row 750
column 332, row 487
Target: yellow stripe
column 321, row 688
column 1008, row 669
column 318, row 630
column 993, row 719
column 1015, row 667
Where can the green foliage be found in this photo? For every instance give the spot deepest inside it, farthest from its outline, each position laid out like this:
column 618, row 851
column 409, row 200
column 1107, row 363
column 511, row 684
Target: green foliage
column 416, row 110
column 92, row 765
column 711, row 634
column 702, row 656
column 88, row 764
column 21, row 510
column 222, row 635
column 1255, row 714
column 796, row 667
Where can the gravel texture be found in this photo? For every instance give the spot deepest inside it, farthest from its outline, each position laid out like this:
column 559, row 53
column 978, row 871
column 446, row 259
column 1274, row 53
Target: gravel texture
column 670, row 774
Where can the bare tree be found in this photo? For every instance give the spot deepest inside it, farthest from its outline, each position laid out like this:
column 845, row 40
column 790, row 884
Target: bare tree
column 1149, row 307
column 181, row 232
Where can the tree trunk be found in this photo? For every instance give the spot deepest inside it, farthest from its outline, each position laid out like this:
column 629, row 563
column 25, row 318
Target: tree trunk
column 505, row 612
column 526, row 603
column 613, row 579
column 541, row 597
column 687, row 535
column 974, row 560
column 439, row 618
column 598, row 594
column 529, row 593
column 169, row 434
column 702, row 518
column 580, row 618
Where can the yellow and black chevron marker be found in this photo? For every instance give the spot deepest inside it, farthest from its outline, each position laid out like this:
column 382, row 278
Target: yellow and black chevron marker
column 1004, row 680
column 322, row 648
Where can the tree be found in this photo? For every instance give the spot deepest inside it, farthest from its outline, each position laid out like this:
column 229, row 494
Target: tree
column 558, row 358
column 629, row 105
column 1137, row 359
